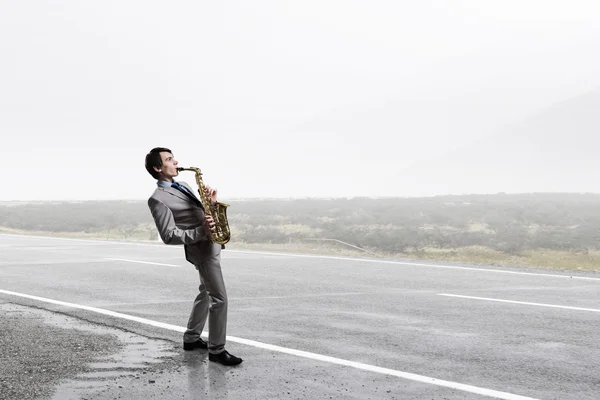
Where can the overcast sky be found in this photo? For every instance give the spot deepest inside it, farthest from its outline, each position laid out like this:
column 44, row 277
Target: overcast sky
column 272, row 98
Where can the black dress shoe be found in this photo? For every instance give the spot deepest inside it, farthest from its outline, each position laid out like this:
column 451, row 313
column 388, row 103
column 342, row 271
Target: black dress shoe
column 199, row 344
column 225, row 358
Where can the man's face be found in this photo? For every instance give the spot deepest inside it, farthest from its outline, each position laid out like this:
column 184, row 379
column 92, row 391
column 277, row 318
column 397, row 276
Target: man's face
column 169, row 167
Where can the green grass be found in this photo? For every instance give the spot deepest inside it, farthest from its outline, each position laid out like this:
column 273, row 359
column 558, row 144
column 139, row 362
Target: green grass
column 542, row 258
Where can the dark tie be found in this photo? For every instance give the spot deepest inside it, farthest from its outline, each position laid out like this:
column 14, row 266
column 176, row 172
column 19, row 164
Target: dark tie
column 182, row 189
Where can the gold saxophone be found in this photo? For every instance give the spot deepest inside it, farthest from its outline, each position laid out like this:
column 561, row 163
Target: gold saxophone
column 221, row 233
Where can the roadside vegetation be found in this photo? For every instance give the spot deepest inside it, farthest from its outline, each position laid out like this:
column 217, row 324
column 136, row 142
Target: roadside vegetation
column 543, row 230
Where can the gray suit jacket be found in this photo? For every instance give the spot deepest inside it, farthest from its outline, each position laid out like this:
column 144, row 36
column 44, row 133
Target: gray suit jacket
column 180, row 221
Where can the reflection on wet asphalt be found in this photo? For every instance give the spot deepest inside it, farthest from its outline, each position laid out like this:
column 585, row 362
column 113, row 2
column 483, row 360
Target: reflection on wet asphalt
column 136, row 355
column 51, row 355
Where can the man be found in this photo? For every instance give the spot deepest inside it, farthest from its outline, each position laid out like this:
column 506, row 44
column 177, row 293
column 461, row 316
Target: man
column 180, row 220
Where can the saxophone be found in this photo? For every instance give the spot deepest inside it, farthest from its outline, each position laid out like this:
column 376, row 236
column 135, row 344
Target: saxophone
column 221, row 233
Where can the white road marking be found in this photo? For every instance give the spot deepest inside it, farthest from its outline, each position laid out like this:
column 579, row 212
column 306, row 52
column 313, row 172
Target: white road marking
column 367, row 260
column 300, row 296
column 294, row 352
column 421, row 265
column 143, row 262
column 235, row 298
column 149, row 303
column 520, row 302
column 48, row 262
column 157, row 244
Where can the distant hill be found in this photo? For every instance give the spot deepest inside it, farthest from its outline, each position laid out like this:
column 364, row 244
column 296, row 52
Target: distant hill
column 553, row 150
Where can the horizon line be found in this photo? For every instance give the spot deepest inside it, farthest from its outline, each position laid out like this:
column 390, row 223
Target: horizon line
column 253, row 198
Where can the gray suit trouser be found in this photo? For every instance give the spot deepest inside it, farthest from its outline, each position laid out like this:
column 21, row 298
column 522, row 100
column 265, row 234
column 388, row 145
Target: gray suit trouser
column 210, row 303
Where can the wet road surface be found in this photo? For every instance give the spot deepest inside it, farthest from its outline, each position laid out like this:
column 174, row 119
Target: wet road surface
column 101, row 320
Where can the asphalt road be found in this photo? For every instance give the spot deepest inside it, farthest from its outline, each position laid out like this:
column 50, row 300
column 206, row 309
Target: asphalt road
column 308, row 327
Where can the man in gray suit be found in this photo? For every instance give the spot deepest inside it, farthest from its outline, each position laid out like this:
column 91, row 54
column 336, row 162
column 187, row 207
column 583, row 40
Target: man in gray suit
column 180, row 220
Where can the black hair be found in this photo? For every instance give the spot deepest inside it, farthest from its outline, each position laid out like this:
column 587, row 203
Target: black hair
column 153, row 160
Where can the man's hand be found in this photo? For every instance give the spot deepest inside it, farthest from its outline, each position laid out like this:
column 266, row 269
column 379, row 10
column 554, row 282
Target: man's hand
column 209, row 225
column 212, row 193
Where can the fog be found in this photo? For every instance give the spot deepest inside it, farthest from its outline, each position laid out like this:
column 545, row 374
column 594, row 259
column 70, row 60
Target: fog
column 299, row 98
